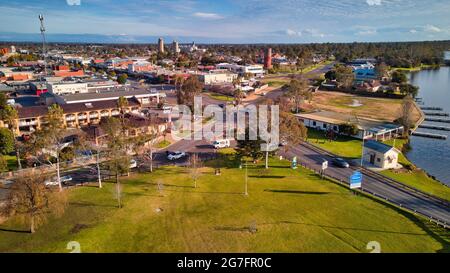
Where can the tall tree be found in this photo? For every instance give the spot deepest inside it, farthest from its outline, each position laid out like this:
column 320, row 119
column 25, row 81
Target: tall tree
column 190, row 88
column 344, row 76
column 382, row 70
column 31, row 202
column 238, row 95
column 297, row 90
column 49, row 138
column 292, row 130
column 406, row 116
column 10, row 116
column 122, row 103
column 194, row 168
column 6, row 141
column 117, row 143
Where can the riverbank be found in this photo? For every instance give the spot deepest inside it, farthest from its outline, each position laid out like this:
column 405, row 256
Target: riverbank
column 418, row 68
column 415, row 177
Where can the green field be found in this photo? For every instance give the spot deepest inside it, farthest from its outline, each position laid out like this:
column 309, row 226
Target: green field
column 292, row 211
column 343, row 146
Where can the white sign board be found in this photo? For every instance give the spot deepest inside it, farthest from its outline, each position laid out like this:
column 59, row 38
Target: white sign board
column 324, row 165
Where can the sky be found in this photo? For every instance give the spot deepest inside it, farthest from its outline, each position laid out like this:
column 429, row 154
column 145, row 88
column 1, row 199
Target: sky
column 233, row 21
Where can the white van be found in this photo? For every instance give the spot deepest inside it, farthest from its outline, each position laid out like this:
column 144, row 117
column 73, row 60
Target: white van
column 221, row 143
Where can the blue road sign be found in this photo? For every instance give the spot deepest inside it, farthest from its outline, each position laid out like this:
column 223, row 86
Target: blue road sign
column 356, row 180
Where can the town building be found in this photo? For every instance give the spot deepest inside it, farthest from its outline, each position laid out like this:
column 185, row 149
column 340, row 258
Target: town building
column 175, row 47
column 75, row 115
column 254, row 70
column 217, row 77
column 161, row 45
column 268, row 58
column 367, row 128
column 380, row 155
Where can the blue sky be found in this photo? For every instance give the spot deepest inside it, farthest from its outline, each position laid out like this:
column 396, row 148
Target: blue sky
column 245, row 21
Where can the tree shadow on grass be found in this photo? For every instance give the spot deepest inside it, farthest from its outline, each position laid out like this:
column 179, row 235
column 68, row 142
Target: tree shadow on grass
column 353, row 228
column 296, row 192
column 235, row 229
column 268, row 176
column 89, row 204
column 14, row 230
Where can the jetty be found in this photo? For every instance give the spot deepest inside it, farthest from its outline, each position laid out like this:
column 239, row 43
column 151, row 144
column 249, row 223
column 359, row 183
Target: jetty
column 429, row 135
column 431, row 108
column 440, row 114
column 434, row 127
column 438, row 120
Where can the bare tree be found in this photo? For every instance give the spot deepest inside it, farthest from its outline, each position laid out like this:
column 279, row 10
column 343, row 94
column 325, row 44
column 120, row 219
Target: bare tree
column 49, row 139
column 297, row 91
column 406, row 116
column 32, row 202
column 292, row 131
column 194, row 168
column 119, row 161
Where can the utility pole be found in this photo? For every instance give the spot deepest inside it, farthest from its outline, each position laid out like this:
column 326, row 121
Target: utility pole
column 41, row 18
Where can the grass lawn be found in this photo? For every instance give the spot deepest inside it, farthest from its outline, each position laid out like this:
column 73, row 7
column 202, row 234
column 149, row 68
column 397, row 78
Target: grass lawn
column 11, row 161
column 383, row 109
column 276, row 82
column 221, row 97
column 344, row 146
column 162, row 144
column 292, row 210
column 409, row 69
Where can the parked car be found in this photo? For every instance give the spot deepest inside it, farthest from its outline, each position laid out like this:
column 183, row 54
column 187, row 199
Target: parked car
column 221, row 143
column 176, row 155
column 133, row 164
column 341, row 163
column 54, row 180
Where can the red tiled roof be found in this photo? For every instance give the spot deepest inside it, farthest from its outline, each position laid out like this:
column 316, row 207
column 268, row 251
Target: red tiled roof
column 41, row 110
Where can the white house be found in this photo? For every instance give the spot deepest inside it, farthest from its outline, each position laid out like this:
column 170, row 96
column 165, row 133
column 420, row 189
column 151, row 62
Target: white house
column 380, row 155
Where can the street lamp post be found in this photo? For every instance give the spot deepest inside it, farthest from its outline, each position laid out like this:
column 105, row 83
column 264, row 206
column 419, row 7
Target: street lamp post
column 362, row 152
column 246, row 179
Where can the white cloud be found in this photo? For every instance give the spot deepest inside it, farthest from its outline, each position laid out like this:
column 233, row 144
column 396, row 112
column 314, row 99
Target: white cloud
column 431, row 28
column 373, row 2
column 367, row 32
column 291, row 32
column 313, row 32
column 205, row 15
column 413, row 31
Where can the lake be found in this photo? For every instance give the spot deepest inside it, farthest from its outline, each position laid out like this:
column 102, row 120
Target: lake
column 433, row 155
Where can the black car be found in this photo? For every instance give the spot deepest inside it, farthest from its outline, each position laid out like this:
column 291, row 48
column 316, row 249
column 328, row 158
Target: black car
column 341, row 163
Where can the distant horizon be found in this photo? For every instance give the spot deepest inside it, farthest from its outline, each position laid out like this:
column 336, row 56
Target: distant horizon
column 80, row 38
